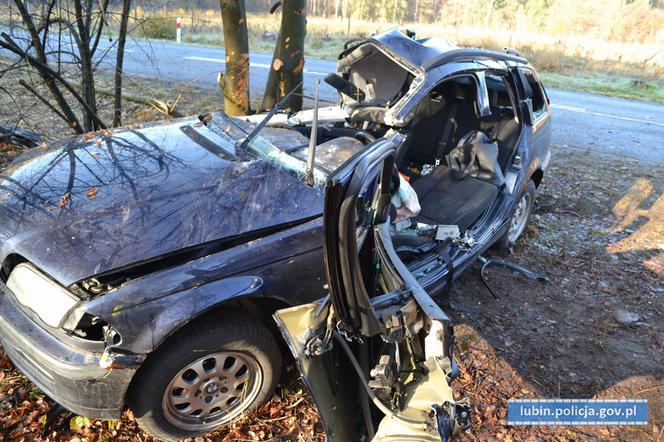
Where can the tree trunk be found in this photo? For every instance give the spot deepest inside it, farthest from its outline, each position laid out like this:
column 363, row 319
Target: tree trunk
column 234, row 83
column 117, row 102
column 287, row 67
column 85, row 54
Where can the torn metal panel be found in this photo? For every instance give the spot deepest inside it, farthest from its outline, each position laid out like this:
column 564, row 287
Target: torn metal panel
column 378, row 316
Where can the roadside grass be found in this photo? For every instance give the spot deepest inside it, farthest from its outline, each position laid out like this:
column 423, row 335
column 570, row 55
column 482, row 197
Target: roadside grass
column 316, row 46
column 607, row 84
column 631, row 74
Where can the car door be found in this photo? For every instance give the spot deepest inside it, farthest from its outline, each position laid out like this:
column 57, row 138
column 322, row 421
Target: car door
column 376, row 353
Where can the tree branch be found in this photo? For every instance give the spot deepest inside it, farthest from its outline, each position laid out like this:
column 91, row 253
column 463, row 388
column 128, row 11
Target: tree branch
column 41, row 98
column 45, row 69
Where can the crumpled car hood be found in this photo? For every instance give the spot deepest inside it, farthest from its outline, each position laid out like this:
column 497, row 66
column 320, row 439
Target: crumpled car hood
column 101, row 202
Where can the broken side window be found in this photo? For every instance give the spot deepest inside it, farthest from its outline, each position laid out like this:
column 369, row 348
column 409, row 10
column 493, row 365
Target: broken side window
column 539, row 107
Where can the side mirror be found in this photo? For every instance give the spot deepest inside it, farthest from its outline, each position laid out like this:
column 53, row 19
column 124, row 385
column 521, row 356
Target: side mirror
column 484, row 106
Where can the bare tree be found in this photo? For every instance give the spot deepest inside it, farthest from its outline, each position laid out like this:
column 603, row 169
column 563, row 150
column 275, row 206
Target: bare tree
column 234, row 83
column 287, row 68
column 59, row 40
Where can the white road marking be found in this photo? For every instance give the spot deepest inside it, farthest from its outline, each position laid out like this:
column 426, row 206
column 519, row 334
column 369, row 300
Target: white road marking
column 582, row 110
column 255, row 65
column 569, row 108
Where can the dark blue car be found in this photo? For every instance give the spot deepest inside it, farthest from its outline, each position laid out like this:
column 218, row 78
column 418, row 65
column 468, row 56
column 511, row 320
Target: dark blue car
column 141, row 267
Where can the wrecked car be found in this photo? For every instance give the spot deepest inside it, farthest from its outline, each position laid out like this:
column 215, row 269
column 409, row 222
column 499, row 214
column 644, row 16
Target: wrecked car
column 141, row 268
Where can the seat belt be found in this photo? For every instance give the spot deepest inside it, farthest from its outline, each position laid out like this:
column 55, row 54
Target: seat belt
column 447, row 131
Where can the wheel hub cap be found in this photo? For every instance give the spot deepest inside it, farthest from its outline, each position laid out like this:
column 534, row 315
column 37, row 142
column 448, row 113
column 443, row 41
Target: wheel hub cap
column 212, row 390
column 211, row 387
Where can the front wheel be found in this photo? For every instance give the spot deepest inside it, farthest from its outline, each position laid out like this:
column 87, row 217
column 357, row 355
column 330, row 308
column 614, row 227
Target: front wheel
column 208, row 374
column 520, row 217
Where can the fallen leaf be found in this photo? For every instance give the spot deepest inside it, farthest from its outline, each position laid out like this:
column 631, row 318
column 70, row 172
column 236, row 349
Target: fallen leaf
column 78, row 422
column 91, row 193
column 64, row 200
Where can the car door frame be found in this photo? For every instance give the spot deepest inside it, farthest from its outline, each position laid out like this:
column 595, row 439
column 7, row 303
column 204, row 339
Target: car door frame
column 342, row 192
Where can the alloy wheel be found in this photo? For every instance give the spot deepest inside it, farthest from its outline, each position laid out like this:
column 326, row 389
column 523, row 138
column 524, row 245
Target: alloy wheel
column 212, row 390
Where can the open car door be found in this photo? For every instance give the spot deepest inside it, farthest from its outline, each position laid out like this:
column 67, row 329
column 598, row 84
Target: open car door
column 376, row 353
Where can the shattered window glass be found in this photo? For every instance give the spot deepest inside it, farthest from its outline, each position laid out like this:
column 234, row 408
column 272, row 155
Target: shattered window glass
column 278, row 147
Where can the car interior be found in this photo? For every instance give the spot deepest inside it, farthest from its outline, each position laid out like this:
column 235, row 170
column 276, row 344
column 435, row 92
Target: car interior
column 448, row 193
column 453, row 157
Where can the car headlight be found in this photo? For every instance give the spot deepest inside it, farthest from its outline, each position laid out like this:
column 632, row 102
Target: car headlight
column 34, row 290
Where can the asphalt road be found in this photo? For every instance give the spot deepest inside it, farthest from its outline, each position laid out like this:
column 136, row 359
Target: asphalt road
column 586, row 121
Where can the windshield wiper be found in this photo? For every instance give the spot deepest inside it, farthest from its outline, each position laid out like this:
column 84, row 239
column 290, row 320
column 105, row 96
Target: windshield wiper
column 269, row 115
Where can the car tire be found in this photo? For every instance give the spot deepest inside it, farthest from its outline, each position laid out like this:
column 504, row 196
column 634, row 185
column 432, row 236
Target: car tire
column 519, row 218
column 202, row 367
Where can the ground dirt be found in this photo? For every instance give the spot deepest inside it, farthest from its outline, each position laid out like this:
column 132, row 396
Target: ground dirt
column 598, row 235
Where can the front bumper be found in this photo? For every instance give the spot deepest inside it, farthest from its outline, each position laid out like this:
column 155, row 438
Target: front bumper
column 70, row 376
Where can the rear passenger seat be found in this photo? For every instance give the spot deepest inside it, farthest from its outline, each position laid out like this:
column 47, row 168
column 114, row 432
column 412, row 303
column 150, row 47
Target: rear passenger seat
column 432, row 138
column 453, row 198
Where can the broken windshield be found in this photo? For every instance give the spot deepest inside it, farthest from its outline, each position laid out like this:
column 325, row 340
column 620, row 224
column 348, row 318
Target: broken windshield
column 272, row 145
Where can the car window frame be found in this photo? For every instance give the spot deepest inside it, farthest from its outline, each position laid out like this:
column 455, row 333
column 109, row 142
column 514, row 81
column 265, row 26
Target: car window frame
column 538, row 121
column 479, row 85
column 506, row 78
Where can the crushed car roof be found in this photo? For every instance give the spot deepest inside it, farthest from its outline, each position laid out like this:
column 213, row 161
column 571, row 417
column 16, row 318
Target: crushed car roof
column 428, row 53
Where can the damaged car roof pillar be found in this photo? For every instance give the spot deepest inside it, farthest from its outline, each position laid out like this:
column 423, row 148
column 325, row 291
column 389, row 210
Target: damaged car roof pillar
column 378, row 332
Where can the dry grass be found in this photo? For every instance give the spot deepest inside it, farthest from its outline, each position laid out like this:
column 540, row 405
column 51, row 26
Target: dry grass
column 206, row 26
